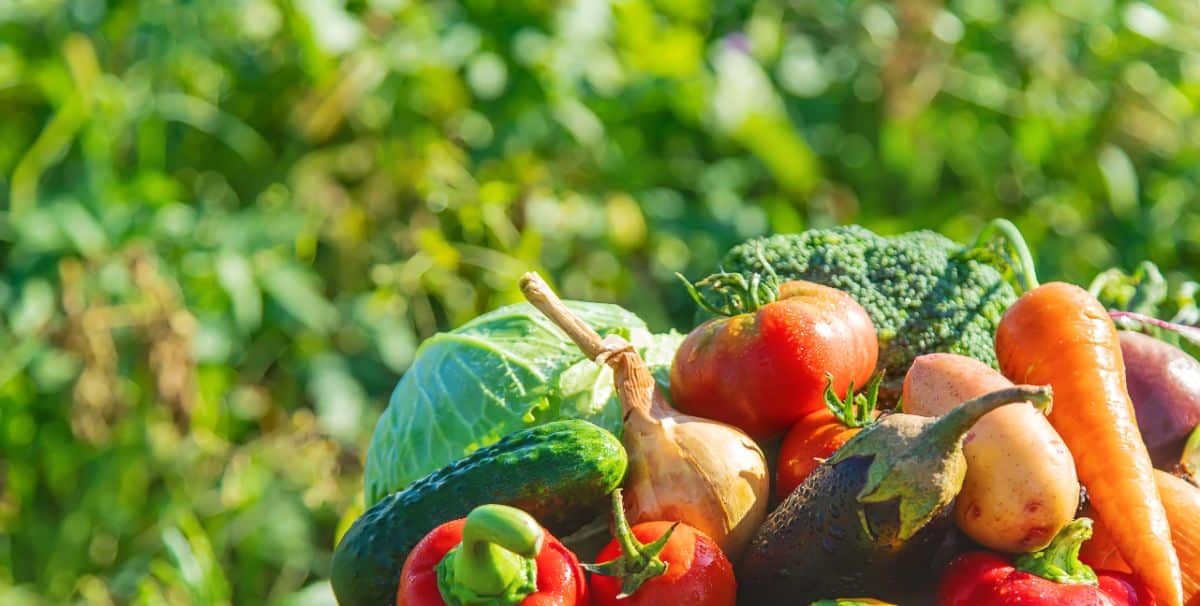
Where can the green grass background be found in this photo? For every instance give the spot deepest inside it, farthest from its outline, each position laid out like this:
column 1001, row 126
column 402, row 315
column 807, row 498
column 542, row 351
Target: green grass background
column 225, row 226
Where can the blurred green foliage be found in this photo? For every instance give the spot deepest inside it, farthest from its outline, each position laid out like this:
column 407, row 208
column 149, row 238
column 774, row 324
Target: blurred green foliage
column 227, row 225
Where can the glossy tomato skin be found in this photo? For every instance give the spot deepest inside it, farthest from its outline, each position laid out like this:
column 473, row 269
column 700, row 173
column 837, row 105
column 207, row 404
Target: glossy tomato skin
column 560, row 579
column 763, row 371
column 811, row 440
column 698, row 573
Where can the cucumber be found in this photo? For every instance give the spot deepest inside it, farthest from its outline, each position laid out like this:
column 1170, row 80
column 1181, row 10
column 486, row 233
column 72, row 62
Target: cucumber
column 560, row 473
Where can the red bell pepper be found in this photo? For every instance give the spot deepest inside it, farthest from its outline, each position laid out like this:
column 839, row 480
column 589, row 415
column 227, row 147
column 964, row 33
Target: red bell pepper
column 1051, row 576
column 680, row 566
column 496, row 556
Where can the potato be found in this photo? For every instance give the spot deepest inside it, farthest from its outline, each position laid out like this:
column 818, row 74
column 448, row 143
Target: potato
column 1020, row 487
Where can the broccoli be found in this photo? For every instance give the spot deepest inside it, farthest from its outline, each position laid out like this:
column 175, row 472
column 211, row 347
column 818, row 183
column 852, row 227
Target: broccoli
column 924, row 292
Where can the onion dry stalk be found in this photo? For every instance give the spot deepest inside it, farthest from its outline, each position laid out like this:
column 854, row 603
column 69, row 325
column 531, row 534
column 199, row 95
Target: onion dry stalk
column 681, row 468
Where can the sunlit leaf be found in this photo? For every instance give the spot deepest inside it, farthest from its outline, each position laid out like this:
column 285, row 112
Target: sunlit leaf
column 340, row 400
column 237, row 278
column 294, row 290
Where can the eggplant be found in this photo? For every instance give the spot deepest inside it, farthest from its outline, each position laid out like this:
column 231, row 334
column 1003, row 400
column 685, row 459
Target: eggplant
column 1164, row 384
column 870, row 519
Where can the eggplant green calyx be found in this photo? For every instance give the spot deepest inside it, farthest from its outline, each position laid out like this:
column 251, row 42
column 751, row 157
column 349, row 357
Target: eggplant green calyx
column 1059, row 561
column 856, row 409
column 637, row 563
column 494, row 564
column 918, row 461
column 738, row 293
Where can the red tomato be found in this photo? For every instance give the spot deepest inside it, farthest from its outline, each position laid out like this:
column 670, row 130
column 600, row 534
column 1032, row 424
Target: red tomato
column 764, row 370
column 698, row 573
column 810, row 441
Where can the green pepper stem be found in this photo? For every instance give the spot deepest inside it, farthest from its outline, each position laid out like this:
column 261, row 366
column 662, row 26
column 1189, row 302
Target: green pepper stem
column 949, row 429
column 495, row 559
column 1059, row 561
column 637, row 563
column 1002, row 234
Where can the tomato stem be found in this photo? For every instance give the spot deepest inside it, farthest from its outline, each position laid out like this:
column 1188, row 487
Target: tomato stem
column 637, row 563
column 740, row 293
column 856, row 410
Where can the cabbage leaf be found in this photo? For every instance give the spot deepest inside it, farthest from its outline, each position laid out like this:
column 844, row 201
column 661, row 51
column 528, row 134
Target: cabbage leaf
column 506, row 370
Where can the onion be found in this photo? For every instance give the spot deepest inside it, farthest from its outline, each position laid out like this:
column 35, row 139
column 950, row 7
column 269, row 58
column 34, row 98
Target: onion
column 681, row 468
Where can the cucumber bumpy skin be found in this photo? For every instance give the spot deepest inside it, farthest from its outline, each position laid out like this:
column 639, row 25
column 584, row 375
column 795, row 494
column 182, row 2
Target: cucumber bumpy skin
column 561, row 473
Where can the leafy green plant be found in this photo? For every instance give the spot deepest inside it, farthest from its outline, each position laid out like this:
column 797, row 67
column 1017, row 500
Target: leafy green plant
column 1143, row 301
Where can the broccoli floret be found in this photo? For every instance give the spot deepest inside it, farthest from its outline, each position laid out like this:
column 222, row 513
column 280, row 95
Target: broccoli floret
column 924, row 292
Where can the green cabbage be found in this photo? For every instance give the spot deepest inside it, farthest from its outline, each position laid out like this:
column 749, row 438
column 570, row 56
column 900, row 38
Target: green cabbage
column 505, row 370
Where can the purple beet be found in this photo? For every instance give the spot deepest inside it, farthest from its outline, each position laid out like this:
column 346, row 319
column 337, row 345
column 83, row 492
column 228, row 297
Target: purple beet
column 1164, row 384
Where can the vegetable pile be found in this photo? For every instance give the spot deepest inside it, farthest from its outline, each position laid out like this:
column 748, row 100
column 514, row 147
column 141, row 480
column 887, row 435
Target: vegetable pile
column 942, row 430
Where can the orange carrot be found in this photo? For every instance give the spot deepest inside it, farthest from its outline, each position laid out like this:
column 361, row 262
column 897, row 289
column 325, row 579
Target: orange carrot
column 1182, row 502
column 1060, row 335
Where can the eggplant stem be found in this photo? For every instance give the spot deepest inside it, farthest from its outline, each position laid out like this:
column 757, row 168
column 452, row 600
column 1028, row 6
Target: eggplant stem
column 954, row 424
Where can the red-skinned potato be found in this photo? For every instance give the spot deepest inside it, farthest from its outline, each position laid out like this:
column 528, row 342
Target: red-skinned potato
column 762, row 367
column 1164, row 384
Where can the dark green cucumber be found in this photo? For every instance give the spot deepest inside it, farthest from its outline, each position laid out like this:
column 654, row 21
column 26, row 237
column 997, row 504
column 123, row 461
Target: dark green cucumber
column 560, row 472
